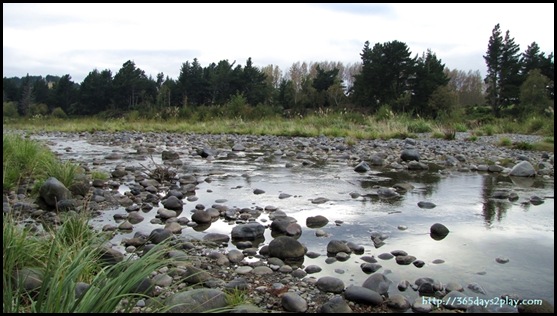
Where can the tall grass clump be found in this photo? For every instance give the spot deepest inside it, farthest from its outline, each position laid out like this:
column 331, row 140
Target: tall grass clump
column 63, row 258
column 65, row 172
column 22, row 159
column 419, row 126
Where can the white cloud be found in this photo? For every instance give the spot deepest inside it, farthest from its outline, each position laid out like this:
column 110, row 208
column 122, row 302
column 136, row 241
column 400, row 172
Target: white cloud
column 56, row 39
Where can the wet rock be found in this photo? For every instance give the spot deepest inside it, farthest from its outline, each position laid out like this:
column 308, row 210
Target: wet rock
column 52, row 191
column 335, row 305
column 362, row 167
column 398, row 303
column 438, row 231
column 379, row 283
column 196, row 301
column 293, row 302
column 330, row 284
column 370, row 267
column 410, row 155
column 363, row 295
column 336, row 246
column 523, row 169
column 426, row 205
column 286, row 248
column 316, row 221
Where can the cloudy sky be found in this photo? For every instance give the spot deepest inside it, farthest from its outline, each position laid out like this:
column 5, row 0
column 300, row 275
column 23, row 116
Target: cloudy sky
column 59, row 39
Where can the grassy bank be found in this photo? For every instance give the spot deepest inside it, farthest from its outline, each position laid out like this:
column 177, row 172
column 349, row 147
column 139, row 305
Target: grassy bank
column 334, row 124
column 351, row 125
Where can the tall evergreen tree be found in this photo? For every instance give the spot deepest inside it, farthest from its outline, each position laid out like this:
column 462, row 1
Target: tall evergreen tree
column 96, row 91
column 430, row 75
column 386, row 73
column 493, row 60
column 254, row 84
column 132, row 87
column 510, row 72
column 503, row 71
column 66, row 94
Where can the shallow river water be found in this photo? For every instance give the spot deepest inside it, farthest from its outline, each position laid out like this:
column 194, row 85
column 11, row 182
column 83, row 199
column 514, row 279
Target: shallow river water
column 482, row 229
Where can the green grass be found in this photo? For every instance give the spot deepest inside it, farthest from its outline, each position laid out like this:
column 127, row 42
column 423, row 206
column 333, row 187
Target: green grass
column 65, row 256
column 28, row 160
column 22, row 159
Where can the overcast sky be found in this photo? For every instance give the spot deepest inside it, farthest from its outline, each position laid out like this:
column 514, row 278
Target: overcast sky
column 59, row 39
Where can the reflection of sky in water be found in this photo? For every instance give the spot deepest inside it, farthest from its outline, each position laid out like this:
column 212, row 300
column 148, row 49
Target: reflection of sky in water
column 481, row 229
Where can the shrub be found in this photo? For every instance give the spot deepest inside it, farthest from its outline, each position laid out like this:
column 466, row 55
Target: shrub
column 505, row 141
column 419, row 126
column 59, row 113
column 9, row 109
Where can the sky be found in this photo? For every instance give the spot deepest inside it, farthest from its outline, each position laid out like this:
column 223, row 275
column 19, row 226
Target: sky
column 75, row 39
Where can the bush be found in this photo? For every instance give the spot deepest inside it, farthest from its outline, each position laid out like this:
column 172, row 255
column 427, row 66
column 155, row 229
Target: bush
column 384, row 113
column 419, row 126
column 59, row 113
column 10, row 109
column 38, row 109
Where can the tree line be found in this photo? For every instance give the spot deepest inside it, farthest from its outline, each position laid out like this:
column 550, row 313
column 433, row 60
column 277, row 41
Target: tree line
column 387, row 77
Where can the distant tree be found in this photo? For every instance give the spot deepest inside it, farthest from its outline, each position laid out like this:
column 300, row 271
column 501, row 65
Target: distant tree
column 194, row 84
column 442, row 103
column 385, row 76
column 27, row 97
column 66, row 94
column 253, row 84
column 298, row 72
column 223, row 81
column 468, row 86
column 429, row 77
column 533, row 94
column 41, row 90
column 493, row 60
column 534, row 58
column 286, row 94
column 324, row 80
column 96, row 92
column 503, row 71
column 10, row 91
column 132, row 87
column 510, row 71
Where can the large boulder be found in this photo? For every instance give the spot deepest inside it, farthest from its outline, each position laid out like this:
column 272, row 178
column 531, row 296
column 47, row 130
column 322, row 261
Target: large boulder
column 52, row 191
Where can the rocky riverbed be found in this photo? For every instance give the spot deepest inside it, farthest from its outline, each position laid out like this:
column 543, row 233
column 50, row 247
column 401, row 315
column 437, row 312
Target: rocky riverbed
column 196, row 189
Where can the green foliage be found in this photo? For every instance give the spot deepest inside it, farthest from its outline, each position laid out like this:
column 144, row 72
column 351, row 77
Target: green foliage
column 237, row 107
column 66, row 256
column 99, row 175
column 534, row 97
column 38, row 109
column 535, row 124
column 523, row 145
column 59, row 113
column 384, row 113
column 472, row 138
column 133, row 116
column 22, row 159
column 505, row 141
column 460, row 127
column 9, row 110
column 385, row 74
column 503, row 71
column 235, row 297
column 419, row 126
column 437, row 134
column 65, row 172
column 488, row 129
